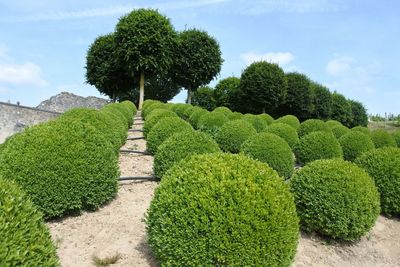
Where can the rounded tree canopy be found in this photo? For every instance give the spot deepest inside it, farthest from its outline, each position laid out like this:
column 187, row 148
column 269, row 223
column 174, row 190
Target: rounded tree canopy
column 225, row 91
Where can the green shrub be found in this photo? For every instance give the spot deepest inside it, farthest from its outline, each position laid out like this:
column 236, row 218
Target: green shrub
column 396, row 136
column 164, row 129
column 317, row 145
column 63, row 166
column 211, row 122
column 232, row 135
column 222, row 210
column 180, row 109
column 332, row 123
column 179, row 146
column 258, row 122
column 115, row 109
column 123, row 109
column 235, row 116
column 196, row 115
column 335, row 198
column 25, row 240
column 290, row 120
column 149, row 102
column 266, row 117
column 285, row 131
column 383, row 165
column 224, row 110
column 156, row 116
column 340, row 130
column 153, row 106
column 312, row 125
column 131, row 106
column 381, row 138
column 271, row 149
column 361, row 129
column 189, row 111
column 354, row 144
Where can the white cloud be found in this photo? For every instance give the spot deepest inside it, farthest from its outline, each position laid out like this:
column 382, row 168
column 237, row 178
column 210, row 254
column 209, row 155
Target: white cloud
column 281, row 58
column 339, row 66
column 25, row 74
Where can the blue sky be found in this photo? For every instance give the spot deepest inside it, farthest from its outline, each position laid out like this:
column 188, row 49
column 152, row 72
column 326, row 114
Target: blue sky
column 349, row 46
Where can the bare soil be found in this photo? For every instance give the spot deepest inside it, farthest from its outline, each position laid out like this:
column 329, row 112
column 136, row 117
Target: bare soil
column 118, row 228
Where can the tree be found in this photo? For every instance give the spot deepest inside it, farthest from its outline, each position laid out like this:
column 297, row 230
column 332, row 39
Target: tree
column 359, row 113
column 104, row 70
column 298, row 97
column 197, row 60
column 263, row 85
column 341, row 109
column 321, row 99
column 145, row 39
column 204, row 97
column 225, row 92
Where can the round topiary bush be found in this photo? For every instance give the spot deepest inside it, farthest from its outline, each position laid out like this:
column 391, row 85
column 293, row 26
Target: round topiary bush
column 333, row 123
column 189, row 111
column 179, row 146
column 396, row 136
column 383, row 165
column 266, row 117
column 63, row 166
column 312, row 125
column 271, row 149
column 284, row 131
column 211, row 122
column 149, row 102
column 235, row 116
column 381, row 138
column 290, row 120
column 317, row 145
column 340, row 130
column 224, row 110
column 156, row 116
column 354, row 144
column 180, row 109
column 25, row 239
column 132, row 108
column 232, row 135
column 222, row 210
column 361, row 129
column 195, row 117
column 121, row 113
column 258, row 122
column 335, row 198
column 164, row 129
column 149, row 109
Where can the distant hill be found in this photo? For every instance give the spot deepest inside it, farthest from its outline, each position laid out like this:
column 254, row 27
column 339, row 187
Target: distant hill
column 65, row 101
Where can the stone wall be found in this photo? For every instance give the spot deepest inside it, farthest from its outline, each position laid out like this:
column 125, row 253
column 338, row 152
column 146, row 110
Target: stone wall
column 14, row 118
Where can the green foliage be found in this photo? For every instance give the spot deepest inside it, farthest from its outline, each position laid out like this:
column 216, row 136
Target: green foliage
column 25, row 240
column 340, row 130
column 382, row 138
column 396, row 136
column 332, row 123
column 232, row 135
column 164, row 129
column 312, row 125
column 354, row 144
column 224, row 110
column 361, row 129
column 321, row 101
column 130, row 106
column 211, row 122
column 179, row 146
column 235, row 116
column 154, row 117
column 197, row 59
column 222, row 210
column 298, row 98
column 149, row 102
column 383, row 165
column 189, row 111
column 335, row 198
column 149, row 109
column 271, row 149
column 180, row 109
column 64, row 166
column 317, row 145
column 285, row 131
column 119, row 109
column 266, row 117
column 341, row 110
column 225, row 92
column 195, row 117
column 359, row 114
column 290, row 120
column 263, row 86
column 204, row 97
column 258, row 122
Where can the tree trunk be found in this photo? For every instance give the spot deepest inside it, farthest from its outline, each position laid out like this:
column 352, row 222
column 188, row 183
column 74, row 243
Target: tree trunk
column 263, row 110
column 114, row 97
column 141, row 96
column 189, row 96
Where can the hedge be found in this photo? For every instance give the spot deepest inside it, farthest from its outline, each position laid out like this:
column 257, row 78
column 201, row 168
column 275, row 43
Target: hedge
column 312, row 125
column 354, row 144
column 382, row 138
column 285, row 131
column 232, row 135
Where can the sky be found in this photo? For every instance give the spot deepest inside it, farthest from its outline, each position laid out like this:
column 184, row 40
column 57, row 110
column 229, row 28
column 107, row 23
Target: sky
column 350, row 46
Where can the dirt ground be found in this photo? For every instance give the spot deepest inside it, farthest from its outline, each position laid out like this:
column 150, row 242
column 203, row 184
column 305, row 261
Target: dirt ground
column 118, row 229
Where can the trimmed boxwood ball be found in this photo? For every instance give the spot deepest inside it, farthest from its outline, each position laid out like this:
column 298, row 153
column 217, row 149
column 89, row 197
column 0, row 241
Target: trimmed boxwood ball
column 64, row 167
column 333, row 123
column 266, row 117
column 317, row 145
column 164, row 129
column 130, row 105
column 312, row 125
column 396, row 136
column 383, row 165
column 25, row 239
column 224, row 110
column 285, row 131
column 180, row 109
column 232, row 135
column 335, row 198
column 179, row 146
column 150, row 108
column 196, row 115
column 258, row 122
column 235, row 116
column 361, row 129
column 271, row 149
column 126, row 112
column 211, row 122
column 149, row 102
column 156, row 116
column 382, row 138
column 354, row 144
column 189, row 111
column 290, row 120
column 113, row 108
column 222, row 210
column 340, row 130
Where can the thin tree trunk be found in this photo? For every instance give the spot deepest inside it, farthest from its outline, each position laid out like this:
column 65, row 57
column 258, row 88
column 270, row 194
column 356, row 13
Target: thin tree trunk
column 263, row 110
column 114, row 96
column 189, row 96
column 141, row 96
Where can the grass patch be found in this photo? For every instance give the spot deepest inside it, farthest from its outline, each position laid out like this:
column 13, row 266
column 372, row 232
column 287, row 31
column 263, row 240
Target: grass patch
column 106, row 261
column 390, row 126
